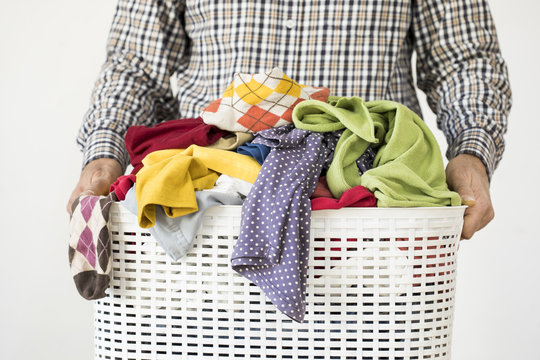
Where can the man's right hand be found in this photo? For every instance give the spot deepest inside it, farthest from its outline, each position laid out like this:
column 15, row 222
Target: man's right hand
column 96, row 179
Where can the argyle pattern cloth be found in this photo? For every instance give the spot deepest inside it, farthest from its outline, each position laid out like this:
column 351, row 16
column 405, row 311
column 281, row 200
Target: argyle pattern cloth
column 252, row 103
column 89, row 245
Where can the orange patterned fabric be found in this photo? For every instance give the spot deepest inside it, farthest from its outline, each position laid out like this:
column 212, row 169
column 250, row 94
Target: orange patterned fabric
column 252, row 103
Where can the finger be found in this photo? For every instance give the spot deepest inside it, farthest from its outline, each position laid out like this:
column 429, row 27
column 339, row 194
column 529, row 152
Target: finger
column 68, row 205
column 467, row 195
column 96, row 179
column 462, row 185
column 74, row 195
column 470, row 222
column 472, row 213
column 468, row 201
column 476, row 217
column 98, row 185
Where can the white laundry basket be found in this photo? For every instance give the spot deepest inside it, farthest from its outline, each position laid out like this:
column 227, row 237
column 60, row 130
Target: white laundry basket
column 381, row 286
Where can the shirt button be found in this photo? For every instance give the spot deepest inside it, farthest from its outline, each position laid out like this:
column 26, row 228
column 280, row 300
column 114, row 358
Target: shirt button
column 290, row 23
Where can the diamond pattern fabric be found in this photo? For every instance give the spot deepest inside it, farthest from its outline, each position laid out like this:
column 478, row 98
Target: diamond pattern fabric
column 89, row 245
column 86, row 246
column 253, row 103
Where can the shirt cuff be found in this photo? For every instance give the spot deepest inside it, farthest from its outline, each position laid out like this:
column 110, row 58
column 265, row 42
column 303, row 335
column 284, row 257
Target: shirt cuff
column 105, row 144
column 477, row 142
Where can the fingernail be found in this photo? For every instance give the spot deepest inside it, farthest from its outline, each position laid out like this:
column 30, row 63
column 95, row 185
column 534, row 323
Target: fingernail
column 468, row 200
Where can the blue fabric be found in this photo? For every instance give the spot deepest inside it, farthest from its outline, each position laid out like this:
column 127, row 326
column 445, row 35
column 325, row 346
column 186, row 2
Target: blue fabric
column 257, row 151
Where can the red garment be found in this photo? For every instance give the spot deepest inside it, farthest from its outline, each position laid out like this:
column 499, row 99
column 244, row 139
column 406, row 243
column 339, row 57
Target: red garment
column 172, row 134
column 122, row 185
column 357, row 196
column 322, row 189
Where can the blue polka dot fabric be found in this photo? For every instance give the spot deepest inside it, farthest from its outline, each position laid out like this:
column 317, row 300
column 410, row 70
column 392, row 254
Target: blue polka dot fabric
column 273, row 246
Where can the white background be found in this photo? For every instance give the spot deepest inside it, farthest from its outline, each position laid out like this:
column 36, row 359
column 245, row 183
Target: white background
column 50, row 54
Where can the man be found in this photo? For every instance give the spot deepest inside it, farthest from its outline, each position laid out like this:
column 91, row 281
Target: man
column 355, row 48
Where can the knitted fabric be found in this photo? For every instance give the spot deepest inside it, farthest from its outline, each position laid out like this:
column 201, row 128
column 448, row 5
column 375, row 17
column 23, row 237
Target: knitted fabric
column 260, row 101
column 408, row 169
column 90, row 246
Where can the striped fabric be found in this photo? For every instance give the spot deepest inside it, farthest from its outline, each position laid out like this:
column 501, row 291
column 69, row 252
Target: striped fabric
column 354, row 48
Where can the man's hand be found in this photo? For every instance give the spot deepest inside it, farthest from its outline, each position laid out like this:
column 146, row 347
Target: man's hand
column 466, row 175
column 96, row 178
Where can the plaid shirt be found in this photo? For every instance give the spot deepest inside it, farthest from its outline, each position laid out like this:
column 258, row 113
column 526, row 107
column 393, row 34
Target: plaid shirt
column 169, row 59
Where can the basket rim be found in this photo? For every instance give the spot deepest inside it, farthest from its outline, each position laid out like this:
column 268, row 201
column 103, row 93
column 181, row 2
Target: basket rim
column 367, row 212
column 356, row 212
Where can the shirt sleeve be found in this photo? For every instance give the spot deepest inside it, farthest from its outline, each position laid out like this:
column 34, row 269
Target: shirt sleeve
column 146, row 45
column 462, row 72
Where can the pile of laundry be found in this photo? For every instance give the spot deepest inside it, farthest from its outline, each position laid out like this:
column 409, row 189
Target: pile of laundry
column 279, row 149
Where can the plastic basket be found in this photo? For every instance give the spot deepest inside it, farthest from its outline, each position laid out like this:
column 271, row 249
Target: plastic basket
column 381, row 286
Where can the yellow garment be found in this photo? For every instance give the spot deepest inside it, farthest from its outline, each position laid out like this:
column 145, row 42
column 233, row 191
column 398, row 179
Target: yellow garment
column 170, row 178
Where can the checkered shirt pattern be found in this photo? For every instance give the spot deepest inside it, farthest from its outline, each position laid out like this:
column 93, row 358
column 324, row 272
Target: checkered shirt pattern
column 355, row 48
column 256, row 102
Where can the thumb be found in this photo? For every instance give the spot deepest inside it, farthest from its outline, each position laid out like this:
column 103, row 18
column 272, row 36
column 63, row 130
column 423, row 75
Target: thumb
column 467, row 199
column 96, row 178
column 464, row 189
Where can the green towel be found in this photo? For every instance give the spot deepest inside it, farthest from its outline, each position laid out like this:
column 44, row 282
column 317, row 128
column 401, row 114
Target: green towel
column 408, row 170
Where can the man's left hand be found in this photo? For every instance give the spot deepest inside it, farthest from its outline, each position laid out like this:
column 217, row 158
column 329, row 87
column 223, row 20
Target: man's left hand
column 466, row 175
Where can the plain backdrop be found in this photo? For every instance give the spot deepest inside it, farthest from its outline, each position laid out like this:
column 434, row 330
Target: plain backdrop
column 50, row 54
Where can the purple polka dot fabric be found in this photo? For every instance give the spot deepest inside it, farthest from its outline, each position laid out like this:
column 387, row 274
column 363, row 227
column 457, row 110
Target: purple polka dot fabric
column 363, row 163
column 273, row 246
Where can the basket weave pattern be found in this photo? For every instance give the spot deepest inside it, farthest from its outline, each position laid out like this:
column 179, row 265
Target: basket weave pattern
column 381, row 286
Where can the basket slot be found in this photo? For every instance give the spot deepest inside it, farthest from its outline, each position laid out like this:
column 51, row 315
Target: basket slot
column 381, row 285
